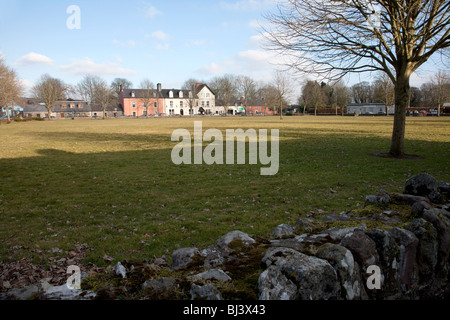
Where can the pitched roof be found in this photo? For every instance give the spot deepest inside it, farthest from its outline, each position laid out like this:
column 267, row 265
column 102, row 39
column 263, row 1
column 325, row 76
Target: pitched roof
column 140, row 93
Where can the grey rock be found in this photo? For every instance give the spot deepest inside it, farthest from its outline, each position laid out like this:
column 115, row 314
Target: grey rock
column 273, row 285
column 347, row 269
column 120, row 270
column 159, row 285
column 418, row 207
column 315, row 278
column 225, row 240
column 212, row 274
column 408, row 270
column 282, row 230
column 381, row 198
column 221, row 252
column 63, row 292
column 427, row 248
column 336, row 234
column 206, row 292
column 423, row 184
column 389, row 257
column 362, row 247
column 183, row 257
column 410, row 199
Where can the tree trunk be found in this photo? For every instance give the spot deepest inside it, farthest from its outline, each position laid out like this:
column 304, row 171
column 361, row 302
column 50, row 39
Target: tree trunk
column 402, row 88
column 49, row 112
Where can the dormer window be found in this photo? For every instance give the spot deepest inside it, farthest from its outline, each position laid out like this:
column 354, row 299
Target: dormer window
column 181, row 94
column 132, row 94
column 170, row 94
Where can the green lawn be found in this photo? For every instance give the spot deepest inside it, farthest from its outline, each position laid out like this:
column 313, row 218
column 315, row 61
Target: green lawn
column 112, row 184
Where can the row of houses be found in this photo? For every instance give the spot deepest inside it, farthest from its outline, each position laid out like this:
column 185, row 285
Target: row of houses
column 201, row 100
column 141, row 103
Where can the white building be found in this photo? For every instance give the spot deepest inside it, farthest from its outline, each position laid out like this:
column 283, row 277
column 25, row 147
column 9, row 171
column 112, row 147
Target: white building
column 369, row 108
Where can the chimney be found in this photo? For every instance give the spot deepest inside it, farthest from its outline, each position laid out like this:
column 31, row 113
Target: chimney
column 159, row 87
column 121, row 88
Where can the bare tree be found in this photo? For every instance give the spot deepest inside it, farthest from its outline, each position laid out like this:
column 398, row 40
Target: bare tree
column 312, row 95
column 441, row 84
column 334, row 38
column 49, row 90
column 225, row 88
column 342, row 95
column 10, row 88
column 191, row 99
column 247, row 90
column 283, row 89
column 148, row 94
column 383, row 91
column 117, row 84
column 87, row 88
column 104, row 95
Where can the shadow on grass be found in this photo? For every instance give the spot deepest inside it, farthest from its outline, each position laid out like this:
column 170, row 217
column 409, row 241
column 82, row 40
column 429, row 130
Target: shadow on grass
column 140, row 202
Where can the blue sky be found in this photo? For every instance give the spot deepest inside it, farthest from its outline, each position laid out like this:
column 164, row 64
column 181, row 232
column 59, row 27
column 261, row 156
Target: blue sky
column 166, row 41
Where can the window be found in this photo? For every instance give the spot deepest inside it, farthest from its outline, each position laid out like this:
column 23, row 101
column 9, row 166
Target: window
column 207, row 95
column 171, row 104
column 134, row 113
column 207, row 104
column 80, row 106
column 72, row 106
column 132, row 94
column 170, row 94
column 181, row 104
column 171, row 112
column 133, row 104
column 63, row 106
column 181, row 94
column 155, row 104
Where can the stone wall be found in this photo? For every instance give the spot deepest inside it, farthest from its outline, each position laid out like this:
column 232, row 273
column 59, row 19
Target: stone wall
column 396, row 247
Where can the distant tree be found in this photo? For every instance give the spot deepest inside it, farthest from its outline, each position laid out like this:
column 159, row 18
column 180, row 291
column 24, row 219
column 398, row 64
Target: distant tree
column 268, row 93
column 117, row 83
column 383, row 91
column 416, row 97
column 362, row 92
column 10, row 87
column 191, row 99
column 49, row 90
column 104, row 96
column 247, row 90
column 148, row 93
column 441, row 84
column 87, row 88
column 226, row 90
column 283, row 86
column 312, row 95
column 341, row 94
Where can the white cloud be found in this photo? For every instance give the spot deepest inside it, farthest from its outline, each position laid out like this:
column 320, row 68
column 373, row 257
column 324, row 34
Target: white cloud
column 160, row 35
column 247, row 5
column 127, row 44
column 27, row 86
column 34, row 58
column 88, row 66
column 152, row 12
column 212, row 69
column 162, row 46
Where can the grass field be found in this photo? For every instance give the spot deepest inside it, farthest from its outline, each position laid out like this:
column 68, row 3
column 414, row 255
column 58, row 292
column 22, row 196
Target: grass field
column 112, row 185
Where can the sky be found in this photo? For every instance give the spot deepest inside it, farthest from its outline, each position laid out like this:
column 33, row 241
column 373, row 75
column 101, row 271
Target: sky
column 165, row 41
